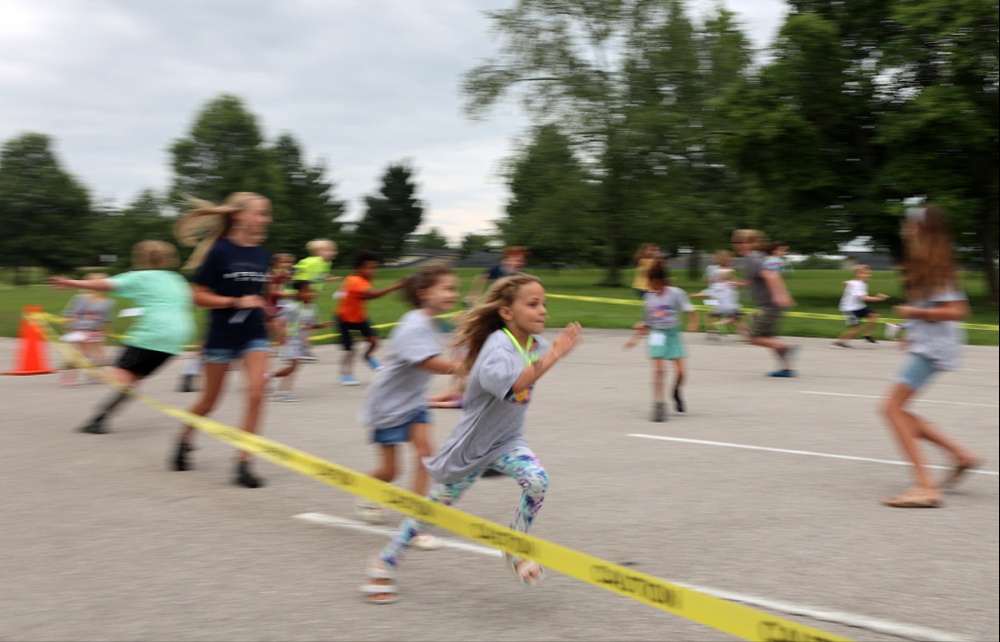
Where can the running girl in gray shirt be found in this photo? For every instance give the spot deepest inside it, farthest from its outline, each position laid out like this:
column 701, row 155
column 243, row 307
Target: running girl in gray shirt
column 935, row 307
column 506, row 356
column 395, row 407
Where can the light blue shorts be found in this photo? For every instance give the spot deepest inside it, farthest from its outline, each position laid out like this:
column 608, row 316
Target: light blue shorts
column 915, row 371
column 228, row 355
column 666, row 344
column 400, row 434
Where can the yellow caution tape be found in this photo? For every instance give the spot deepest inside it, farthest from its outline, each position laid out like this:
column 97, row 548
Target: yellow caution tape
column 729, row 617
column 788, row 313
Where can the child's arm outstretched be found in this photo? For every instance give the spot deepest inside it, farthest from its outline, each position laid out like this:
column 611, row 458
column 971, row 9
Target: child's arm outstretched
column 563, row 344
column 372, row 293
column 97, row 285
column 640, row 331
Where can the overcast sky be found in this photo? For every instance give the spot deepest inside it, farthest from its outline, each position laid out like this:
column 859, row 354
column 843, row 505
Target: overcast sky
column 360, row 84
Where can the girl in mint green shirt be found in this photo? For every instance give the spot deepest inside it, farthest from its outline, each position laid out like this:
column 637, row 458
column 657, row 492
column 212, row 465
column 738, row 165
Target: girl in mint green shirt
column 165, row 322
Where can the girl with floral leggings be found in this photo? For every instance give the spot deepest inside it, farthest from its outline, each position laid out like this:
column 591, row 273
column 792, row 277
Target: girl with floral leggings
column 506, row 356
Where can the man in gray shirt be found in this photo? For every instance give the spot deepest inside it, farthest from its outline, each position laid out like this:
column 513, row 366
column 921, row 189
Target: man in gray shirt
column 769, row 295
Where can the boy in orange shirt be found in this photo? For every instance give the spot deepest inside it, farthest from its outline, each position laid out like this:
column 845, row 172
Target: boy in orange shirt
column 352, row 312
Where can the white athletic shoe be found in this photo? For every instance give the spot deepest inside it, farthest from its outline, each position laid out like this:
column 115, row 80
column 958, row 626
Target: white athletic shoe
column 371, row 512
column 426, row 542
column 891, row 330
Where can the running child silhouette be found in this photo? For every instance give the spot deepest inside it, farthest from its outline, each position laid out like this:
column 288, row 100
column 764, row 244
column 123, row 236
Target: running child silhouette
column 395, row 407
column 506, row 356
column 663, row 306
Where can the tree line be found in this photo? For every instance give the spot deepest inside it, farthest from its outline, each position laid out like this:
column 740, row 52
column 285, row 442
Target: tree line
column 646, row 125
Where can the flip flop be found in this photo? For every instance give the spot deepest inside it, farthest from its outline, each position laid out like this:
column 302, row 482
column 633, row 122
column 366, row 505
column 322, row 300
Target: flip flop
column 912, row 499
column 959, row 472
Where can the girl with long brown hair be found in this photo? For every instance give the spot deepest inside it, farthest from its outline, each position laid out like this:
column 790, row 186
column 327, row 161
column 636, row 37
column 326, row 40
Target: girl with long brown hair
column 935, row 306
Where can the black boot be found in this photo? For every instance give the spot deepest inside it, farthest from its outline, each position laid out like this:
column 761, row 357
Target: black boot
column 246, row 477
column 678, row 401
column 180, row 461
column 94, row 427
column 186, row 384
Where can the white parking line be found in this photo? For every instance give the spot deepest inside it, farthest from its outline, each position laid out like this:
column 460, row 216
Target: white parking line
column 848, row 619
column 808, row 453
column 953, row 403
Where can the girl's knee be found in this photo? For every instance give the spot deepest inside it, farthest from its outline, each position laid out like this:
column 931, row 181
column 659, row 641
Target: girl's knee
column 535, row 481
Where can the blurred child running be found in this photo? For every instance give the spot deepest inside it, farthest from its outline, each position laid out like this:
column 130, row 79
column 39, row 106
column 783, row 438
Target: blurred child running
column 395, row 407
column 88, row 317
column 854, row 306
column 663, row 305
column 352, row 313
column 161, row 331
column 935, row 306
column 300, row 316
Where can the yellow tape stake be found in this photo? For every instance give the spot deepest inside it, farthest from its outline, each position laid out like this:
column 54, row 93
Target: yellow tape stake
column 729, row 617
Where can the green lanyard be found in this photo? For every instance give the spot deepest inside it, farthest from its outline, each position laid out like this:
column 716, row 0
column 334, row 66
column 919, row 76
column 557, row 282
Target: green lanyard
column 528, row 359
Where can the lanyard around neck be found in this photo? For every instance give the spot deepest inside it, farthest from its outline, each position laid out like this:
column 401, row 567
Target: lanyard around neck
column 524, row 351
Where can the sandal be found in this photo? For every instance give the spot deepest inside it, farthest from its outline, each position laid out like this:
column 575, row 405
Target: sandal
column 958, row 473
column 912, row 499
column 525, row 570
column 381, row 586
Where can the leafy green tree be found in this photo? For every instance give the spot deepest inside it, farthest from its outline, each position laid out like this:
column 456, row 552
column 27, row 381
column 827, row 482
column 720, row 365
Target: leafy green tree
column 45, row 213
column 627, row 82
column 866, row 105
column 550, row 208
column 223, row 153
column 432, row 239
column 473, row 242
column 148, row 217
column 392, row 216
column 305, row 207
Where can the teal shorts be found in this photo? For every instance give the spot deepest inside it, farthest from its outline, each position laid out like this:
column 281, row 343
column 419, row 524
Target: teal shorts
column 666, row 344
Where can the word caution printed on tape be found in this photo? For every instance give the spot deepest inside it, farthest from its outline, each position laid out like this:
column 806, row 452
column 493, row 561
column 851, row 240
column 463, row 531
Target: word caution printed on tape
column 730, row 617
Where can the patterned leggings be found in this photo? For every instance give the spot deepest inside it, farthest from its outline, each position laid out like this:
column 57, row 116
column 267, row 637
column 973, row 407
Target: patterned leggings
column 520, row 463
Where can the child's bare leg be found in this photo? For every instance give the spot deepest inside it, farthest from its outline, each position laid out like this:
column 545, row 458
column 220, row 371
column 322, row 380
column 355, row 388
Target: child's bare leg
column 906, row 429
column 659, row 377
column 420, row 437
column 387, row 469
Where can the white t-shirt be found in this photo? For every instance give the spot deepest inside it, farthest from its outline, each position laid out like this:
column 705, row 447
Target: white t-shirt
column 852, row 299
column 727, row 297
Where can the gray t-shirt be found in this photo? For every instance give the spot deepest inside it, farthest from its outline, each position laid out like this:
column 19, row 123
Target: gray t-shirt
column 88, row 313
column 663, row 309
column 493, row 421
column 400, row 390
column 938, row 341
column 753, row 268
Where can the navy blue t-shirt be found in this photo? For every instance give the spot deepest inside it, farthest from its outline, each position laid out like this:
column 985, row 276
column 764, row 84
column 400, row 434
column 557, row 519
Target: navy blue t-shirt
column 234, row 270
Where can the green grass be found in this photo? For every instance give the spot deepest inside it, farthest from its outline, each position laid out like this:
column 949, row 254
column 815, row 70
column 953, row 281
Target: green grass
column 815, row 291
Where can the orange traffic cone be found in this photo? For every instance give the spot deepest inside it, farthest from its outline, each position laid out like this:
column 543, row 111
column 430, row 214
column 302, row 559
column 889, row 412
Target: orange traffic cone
column 32, row 358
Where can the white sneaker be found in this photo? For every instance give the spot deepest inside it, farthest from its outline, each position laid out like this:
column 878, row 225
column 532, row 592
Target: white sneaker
column 891, row 330
column 371, row 512
column 426, row 542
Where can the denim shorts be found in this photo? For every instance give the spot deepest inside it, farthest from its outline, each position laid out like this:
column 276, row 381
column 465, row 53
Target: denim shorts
column 400, row 434
column 228, row 355
column 915, row 371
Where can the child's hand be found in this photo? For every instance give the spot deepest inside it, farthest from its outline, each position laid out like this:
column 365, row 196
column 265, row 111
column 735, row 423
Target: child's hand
column 59, row 282
column 568, row 339
column 631, row 342
column 882, row 297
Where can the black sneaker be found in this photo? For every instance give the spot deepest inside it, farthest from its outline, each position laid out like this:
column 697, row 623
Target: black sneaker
column 678, row 402
column 186, row 384
column 94, row 427
column 659, row 412
column 180, row 461
column 870, row 339
column 492, row 472
column 246, row 477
